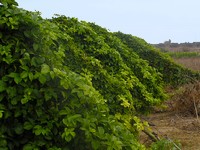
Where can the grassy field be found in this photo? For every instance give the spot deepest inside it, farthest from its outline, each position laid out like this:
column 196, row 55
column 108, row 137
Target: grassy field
column 189, row 59
column 186, row 54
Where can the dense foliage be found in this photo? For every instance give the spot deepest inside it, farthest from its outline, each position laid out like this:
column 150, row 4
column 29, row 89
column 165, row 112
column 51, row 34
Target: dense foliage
column 66, row 84
column 172, row 73
column 115, row 71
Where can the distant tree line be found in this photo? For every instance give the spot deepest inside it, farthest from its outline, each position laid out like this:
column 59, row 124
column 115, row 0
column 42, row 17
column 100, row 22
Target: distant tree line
column 176, row 45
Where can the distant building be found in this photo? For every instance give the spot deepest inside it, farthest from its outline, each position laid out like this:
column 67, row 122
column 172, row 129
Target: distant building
column 167, row 42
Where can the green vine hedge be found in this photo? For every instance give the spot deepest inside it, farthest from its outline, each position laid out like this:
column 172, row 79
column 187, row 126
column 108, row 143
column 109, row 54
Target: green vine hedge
column 66, row 84
column 172, row 73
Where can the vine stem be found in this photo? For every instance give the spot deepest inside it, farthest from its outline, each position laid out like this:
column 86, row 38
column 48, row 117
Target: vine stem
column 196, row 111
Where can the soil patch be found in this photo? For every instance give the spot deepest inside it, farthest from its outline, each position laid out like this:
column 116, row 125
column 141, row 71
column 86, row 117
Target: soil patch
column 177, row 127
column 180, row 121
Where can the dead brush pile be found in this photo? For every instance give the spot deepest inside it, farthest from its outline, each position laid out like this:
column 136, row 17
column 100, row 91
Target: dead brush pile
column 187, row 99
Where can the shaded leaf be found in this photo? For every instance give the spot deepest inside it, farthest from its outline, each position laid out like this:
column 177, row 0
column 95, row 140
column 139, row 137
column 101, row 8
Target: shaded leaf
column 2, row 86
column 42, row 79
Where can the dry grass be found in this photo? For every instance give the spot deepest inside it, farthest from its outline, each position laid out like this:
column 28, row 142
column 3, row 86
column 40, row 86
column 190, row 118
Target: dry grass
column 187, row 99
column 192, row 63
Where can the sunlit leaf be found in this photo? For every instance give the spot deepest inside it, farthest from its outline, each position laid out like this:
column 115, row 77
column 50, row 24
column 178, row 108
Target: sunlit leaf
column 45, row 69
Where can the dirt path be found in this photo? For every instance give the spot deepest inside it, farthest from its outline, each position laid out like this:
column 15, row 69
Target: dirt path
column 174, row 126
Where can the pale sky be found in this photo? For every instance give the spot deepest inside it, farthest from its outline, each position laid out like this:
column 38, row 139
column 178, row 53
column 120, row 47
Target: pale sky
column 155, row 21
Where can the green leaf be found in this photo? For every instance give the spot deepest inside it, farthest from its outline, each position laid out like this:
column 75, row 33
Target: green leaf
column 28, row 147
column 65, row 121
column 35, row 47
column 1, row 96
column 1, row 113
column 40, row 60
column 25, row 99
column 45, row 69
column 3, row 144
column 42, row 79
column 12, row 74
column 17, row 79
column 96, row 144
column 68, row 134
column 100, row 130
column 31, row 76
column 19, row 129
column 65, row 111
column 64, row 83
column 28, row 125
column 38, row 130
column 12, row 92
column 9, row 2
column 71, row 120
column 14, row 101
column 39, row 112
column 34, row 61
column 2, row 107
column 2, row 86
column 24, row 74
column 27, row 34
column 1, row 35
column 52, row 74
column 74, row 117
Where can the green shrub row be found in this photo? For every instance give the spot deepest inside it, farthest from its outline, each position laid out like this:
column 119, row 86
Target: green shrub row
column 66, row 84
column 172, row 73
column 63, row 87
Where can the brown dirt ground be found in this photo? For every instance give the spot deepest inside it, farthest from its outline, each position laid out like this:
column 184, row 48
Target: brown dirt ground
column 177, row 127
column 180, row 119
